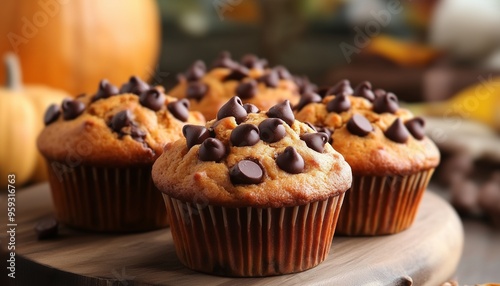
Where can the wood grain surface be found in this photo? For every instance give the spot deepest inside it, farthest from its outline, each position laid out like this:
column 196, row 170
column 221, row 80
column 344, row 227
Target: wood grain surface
column 426, row 254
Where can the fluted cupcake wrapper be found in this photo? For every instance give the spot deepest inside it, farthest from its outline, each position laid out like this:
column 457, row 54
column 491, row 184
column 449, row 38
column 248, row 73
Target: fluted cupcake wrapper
column 107, row 199
column 382, row 205
column 252, row 241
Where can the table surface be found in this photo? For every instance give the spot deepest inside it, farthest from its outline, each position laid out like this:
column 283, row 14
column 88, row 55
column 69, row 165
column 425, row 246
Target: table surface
column 425, row 254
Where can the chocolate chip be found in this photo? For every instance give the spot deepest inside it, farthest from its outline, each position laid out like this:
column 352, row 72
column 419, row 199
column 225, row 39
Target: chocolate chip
column 51, row 114
column 196, row 71
column 121, row 119
column 179, row 109
column 327, row 131
column 105, row 90
column 136, row 133
column 72, row 108
column 315, row 141
column 152, row 99
column 282, row 111
column 272, row 130
column 379, row 92
column 212, row 150
column 339, row 104
column 416, row 127
column 290, row 161
column 304, row 84
column 238, row 72
column 364, row 90
column 247, row 90
column 134, row 85
column 270, row 79
column 343, row 86
column 234, row 107
column 307, row 98
column 323, row 91
column 253, row 62
column 196, row 90
column 310, row 125
column 282, row 72
column 359, row 125
column 195, row 134
column 46, row 228
column 224, row 61
column 245, row 135
column 250, row 108
column 386, row 103
column 246, row 172
column 397, row 132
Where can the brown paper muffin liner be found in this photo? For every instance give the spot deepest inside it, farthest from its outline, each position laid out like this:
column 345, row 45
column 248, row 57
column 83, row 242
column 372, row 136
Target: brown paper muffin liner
column 107, row 199
column 250, row 241
column 382, row 205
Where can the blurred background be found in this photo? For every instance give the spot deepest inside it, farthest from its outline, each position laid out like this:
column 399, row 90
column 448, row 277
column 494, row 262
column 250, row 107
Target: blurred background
column 441, row 57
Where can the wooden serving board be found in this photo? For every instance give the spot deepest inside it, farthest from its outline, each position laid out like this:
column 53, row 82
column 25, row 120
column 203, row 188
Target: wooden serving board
column 425, row 254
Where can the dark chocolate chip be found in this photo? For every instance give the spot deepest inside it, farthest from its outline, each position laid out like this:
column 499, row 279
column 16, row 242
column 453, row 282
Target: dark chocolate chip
column 323, row 91
column 195, row 134
column 121, row 119
column 397, row 132
column 386, row 103
column 339, row 104
column 212, row 150
column 51, row 114
column 135, row 85
column 315, row 141
column 152, row 99
column 379, row 92
column 46, row 228
column 290, row 161
column 416, row 127
column 304, row 84
column 238, row 72
column 310, row 125
column 364, row 90
column 272, row 130
column 359, row 125
column 250, row 108
column 105, row 90
column 246, row 172
column 307, row 98
column 72, row 108
column 327, row 131
column 224, row 61
column 247, row 90
column 270, row 79
column 137, row 133
column 245, row 135
column 282, row 72
column 343, row 86
column 252, row 62
column 234, row 107
column 179, row 109
column 196, row 71
column 282, row 111
column 196, row 90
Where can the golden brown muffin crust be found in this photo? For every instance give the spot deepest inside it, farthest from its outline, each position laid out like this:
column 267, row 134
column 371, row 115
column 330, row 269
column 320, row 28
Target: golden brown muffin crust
column 180, row 173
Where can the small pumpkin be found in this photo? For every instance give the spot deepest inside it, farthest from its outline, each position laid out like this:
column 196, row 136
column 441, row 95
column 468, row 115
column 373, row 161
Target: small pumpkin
column 21, row 113
column 71, row 45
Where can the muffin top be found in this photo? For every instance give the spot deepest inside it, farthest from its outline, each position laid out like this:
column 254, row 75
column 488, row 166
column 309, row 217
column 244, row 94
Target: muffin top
column 250, row 79
column 369, row 129
column 126, row 126
column 258, row 159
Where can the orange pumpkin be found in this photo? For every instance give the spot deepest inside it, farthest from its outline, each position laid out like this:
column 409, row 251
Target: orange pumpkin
column 72, row 44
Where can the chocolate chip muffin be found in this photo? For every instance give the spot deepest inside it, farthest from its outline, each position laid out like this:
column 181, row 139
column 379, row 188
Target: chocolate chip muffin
column 252, row 193
column 391, row 158
column 250, row 79
column 100, row 149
